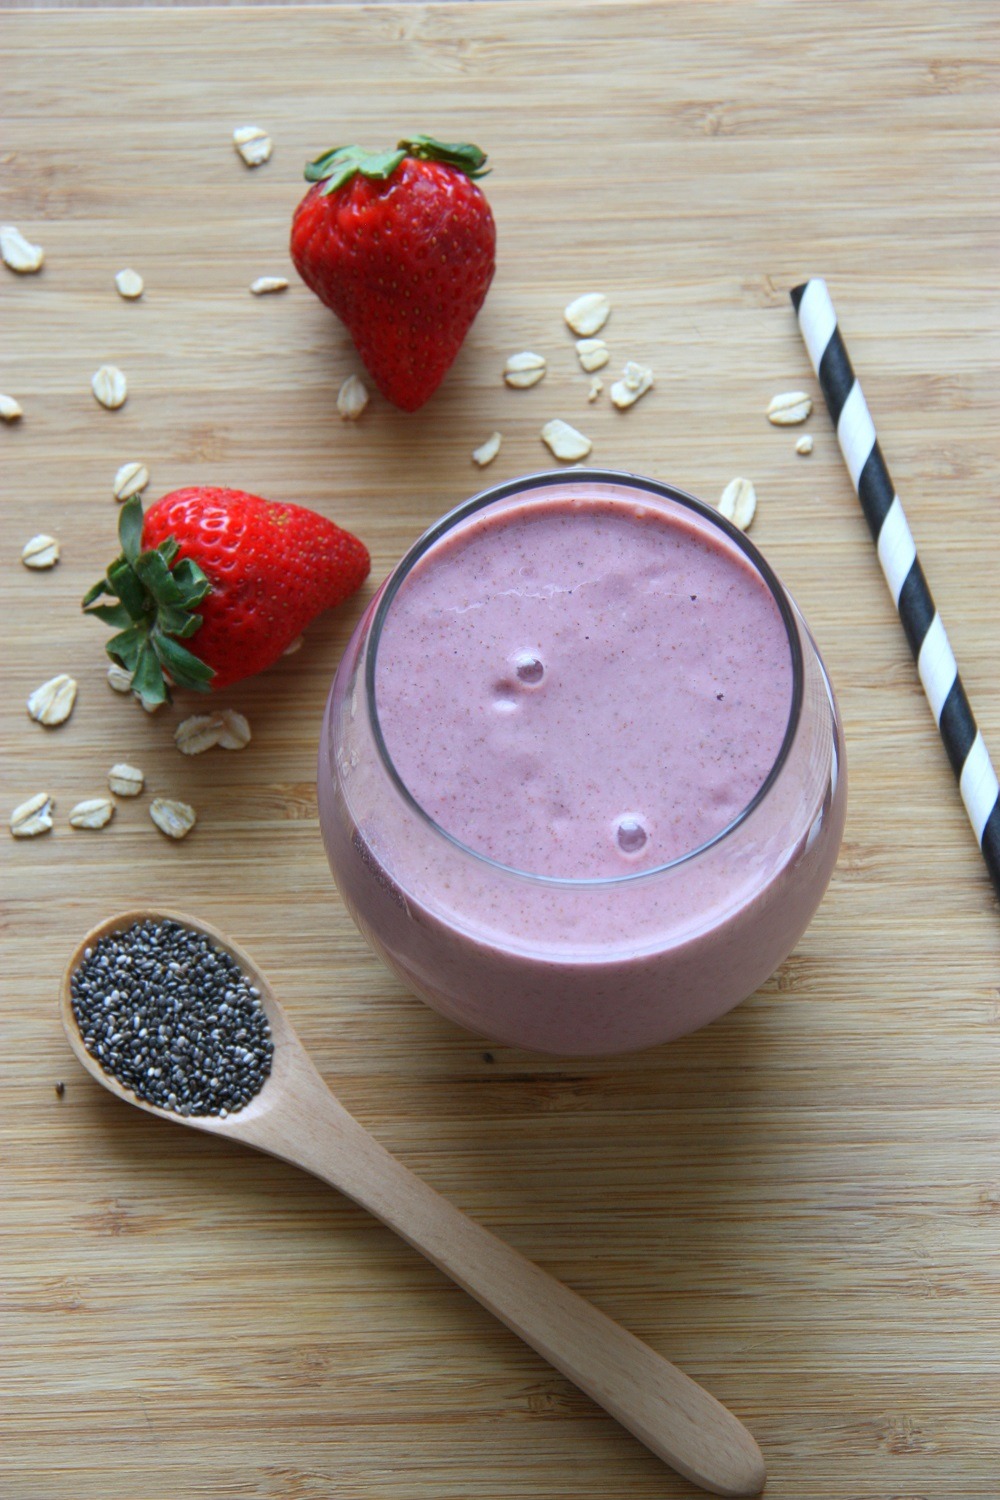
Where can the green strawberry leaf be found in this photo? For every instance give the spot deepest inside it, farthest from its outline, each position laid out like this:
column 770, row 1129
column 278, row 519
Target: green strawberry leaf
column 381, row 164
column 320, row 169
column 376, row 166
column 112, row 614
column 128, row 588
column 147, row 678
column 178, row 622
column 100, row 587
column 130, row 528
column 154, row 574
column 337, row 167
column 155, row 610
column 185, row 668
column 461, row 154
column 126, row 646
column 192, row 582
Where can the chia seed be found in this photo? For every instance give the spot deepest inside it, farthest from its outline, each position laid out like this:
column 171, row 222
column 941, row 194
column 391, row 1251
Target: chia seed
column 173, row 1018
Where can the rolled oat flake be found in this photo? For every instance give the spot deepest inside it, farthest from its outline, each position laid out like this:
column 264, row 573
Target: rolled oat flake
column 173, row 1018
column 109, row 386
column 130, row 284
column 253, row 144
column 18, row 252
column 41, row 551
column 32, row 817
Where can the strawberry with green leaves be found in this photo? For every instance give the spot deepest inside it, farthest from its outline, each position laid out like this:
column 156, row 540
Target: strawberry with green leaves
column 213, row 585
column 401, row 245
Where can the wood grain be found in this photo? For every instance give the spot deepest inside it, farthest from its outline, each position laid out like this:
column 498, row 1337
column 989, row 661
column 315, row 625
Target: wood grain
column 799, row 1205
column 296, row 1117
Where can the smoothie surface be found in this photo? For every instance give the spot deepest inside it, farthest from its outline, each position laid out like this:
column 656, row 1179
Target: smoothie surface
column 582, row 687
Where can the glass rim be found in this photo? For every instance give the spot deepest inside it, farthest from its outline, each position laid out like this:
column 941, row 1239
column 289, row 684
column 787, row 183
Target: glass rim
column 551, row 478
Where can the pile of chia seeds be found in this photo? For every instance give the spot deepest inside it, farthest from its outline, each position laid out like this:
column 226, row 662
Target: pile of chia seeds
column 173, row 1018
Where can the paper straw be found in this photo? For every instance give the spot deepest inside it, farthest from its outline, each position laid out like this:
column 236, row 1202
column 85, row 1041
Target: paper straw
column 897, row 553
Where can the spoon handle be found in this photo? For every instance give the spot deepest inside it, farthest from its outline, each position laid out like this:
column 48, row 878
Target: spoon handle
column 663, row 1407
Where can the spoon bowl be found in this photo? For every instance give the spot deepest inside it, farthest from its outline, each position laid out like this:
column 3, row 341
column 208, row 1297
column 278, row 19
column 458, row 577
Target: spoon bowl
column 290, row 1056
column 295, row 1117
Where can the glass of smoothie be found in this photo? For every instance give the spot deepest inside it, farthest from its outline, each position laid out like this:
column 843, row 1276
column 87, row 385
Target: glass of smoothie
column 581, row 777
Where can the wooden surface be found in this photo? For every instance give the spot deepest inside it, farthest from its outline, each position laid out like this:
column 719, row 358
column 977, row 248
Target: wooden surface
column 799, row 1205
column 296, row 1117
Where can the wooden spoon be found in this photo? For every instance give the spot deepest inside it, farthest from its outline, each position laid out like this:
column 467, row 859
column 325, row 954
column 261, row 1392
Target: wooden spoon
column 297, row 1118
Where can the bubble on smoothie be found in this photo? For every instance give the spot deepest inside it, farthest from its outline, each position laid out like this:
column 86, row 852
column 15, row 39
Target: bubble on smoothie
column 630, row 833
column 528, row 668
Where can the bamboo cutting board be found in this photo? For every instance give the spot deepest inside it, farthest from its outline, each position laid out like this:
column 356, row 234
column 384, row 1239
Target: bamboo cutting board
column 800, row 1204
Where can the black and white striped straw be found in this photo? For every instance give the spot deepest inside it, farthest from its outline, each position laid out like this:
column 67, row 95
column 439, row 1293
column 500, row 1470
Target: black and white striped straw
column 897, row 553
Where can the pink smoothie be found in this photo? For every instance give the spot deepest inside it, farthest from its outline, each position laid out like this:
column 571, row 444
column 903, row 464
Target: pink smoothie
column 581, row 688
column 581, row 776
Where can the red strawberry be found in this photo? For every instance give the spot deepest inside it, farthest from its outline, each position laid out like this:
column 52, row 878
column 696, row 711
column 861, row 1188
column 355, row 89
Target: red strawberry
column 238, row 576
column 401, row 246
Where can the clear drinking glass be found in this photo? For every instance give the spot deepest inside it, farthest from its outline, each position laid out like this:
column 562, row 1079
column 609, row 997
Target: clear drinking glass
column 581, row 966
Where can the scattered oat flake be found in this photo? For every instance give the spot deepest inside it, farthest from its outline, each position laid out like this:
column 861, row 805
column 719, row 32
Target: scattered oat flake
column 524, row 370
column 17, row 252
column 789, row 409
column 52, row 703
column 739, row 502
column 487, row 452
column 635, row 382
column 131, row 479
column 265, row 284
column 175, row 819
column 804, row 444
column 253, row 144
column 235, row 730
column 130, row 284
column 593, row 354
column 119, row 678
column 596, row 387
column 564, row 441
column 40, row 552
column 125, row 780
column 32, row 817
column 93, row 812
column 110, row 387
column 198, row 733
column 352, row 398
column 10, row 410
column 588, row 314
